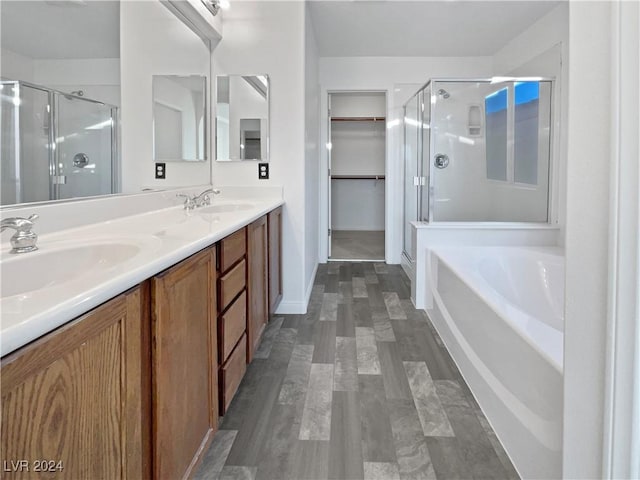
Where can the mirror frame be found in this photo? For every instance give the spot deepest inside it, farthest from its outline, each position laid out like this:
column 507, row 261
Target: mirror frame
column 214, row 148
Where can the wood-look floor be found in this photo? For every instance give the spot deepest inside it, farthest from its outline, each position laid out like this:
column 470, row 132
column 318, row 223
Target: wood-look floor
column 357, row 245
column 360, row 387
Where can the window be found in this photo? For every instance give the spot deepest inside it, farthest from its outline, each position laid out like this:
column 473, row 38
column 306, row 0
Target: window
column 525, row 132
column 495, row 107
column 512, row 118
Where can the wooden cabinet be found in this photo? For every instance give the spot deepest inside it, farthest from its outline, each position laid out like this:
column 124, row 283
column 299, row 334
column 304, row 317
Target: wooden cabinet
column 274, row 226
column 232, row 283
column 257, row 283
column 79, row 397
column 184, row 362
column 233, row 325
column 232, row 311
column 133, row 388
column 232, row 371
column 232, row 249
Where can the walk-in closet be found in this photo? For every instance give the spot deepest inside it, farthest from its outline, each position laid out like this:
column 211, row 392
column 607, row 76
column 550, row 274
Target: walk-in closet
column 357, row 169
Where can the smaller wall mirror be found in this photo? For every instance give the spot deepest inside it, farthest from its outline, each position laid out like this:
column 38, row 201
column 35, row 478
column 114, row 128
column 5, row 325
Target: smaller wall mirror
column 242, row 117
column 179, row 118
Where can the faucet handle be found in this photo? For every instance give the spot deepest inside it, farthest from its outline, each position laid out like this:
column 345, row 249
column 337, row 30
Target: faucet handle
column 188, row 201
column 24, row 240
column 31, row 220
column 19, row 224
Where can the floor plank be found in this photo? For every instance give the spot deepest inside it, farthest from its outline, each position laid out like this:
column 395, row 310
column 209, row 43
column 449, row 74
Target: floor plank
column 360, row 387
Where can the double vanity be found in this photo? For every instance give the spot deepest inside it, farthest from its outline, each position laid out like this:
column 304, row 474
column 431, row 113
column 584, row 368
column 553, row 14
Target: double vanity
column 123, row 341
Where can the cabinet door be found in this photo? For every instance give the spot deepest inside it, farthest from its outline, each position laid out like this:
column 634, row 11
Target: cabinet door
column 275, row 258
column 79, row 397
column 185, row 402
column 258, row 311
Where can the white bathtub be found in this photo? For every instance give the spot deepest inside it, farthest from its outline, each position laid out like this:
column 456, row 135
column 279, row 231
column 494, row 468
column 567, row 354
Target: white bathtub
column 499, row 310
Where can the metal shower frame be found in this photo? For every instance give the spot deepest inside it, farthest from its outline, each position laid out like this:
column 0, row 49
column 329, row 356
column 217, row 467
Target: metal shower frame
column 52, row 95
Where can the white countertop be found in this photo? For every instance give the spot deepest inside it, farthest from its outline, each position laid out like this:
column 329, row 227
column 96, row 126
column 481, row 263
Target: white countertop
column 165, row 236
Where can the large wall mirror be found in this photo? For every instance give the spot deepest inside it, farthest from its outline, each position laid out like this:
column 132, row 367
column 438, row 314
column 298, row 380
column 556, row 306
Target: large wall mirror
column 179, row 118
column 76, row 107
column 242, row 117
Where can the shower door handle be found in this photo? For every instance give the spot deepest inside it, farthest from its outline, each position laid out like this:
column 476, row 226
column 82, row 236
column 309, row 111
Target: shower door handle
column 441, row 160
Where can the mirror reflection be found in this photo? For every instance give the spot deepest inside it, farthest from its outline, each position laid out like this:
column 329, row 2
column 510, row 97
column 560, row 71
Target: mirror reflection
column 179, row 118
column 78, row 114
column 242, row 117
column 59, row 100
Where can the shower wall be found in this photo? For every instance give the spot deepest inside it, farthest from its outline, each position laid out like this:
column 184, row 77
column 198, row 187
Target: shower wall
column 494, row 141
column 498, row 160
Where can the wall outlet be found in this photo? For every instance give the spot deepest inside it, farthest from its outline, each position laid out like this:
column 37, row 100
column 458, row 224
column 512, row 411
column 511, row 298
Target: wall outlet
column 161, row 170
column 263, row 171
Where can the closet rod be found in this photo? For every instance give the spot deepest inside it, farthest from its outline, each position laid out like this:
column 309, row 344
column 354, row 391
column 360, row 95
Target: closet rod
column 357, row 177
column 358, row 119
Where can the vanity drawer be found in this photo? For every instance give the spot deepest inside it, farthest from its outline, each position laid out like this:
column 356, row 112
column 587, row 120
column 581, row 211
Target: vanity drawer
column 231, row 284
column 233, row 324
column 232, row 249
column 231, row 374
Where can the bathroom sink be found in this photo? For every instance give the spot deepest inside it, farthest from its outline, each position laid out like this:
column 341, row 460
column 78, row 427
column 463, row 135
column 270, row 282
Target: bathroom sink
column 52, row 266
column 225, row 208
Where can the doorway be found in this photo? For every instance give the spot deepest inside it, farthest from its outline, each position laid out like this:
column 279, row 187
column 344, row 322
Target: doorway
column 357, row 165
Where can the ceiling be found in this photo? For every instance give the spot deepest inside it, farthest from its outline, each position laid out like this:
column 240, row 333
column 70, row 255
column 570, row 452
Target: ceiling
column 420, row 28
column 63, row 29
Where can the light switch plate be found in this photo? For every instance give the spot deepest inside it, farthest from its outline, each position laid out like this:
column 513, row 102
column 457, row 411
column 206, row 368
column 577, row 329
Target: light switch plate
column 263, row 171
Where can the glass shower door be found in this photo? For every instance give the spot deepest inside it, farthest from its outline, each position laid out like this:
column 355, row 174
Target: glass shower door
column 84, row 148
column 412, row 122
column 25, row 143
column 425, row 153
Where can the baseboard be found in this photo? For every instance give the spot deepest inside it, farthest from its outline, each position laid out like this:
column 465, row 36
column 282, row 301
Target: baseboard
column 307, row 294
column 291, row 308
column 299, row 307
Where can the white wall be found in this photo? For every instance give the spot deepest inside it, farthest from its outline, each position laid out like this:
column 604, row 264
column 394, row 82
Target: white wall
column 535, row 52
column 311, row 150
column 98, row 78
column 15, row 66
column 386, row 74
column 358, row 105
column 269, row 38
column 154, row 42
column 588, row 170
column 357, row 205
column 622, row 403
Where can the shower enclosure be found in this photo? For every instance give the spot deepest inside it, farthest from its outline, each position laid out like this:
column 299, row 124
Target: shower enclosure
column 54, row 145
column 477, row 151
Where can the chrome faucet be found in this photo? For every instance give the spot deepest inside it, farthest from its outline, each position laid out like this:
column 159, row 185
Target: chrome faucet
column 189, row 204
column 204, row 198
column 198, row 200
column 24, row 240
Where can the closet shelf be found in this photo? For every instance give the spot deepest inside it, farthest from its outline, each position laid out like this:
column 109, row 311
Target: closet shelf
column 358, row 119
column 357, row 177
